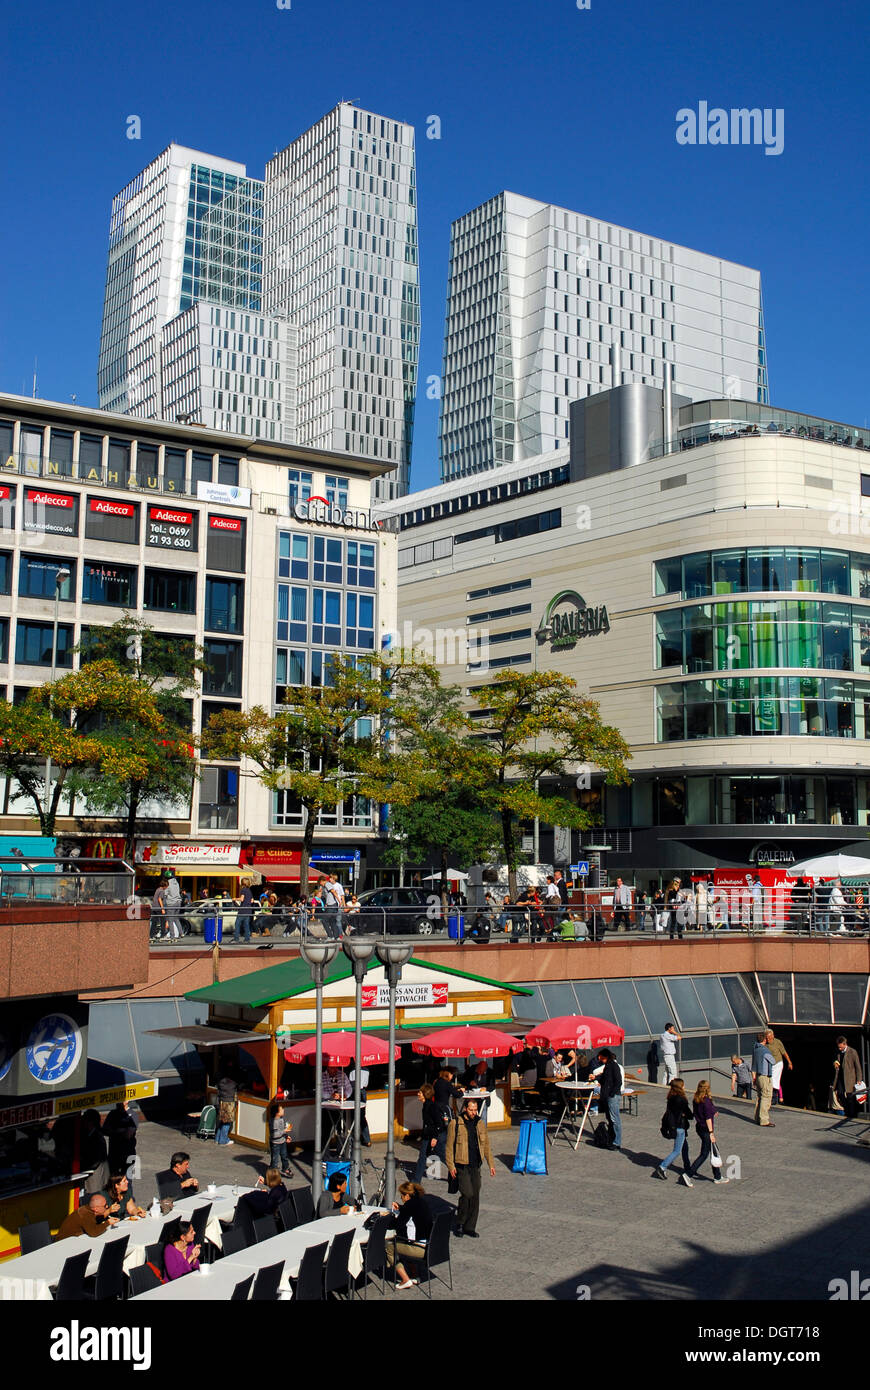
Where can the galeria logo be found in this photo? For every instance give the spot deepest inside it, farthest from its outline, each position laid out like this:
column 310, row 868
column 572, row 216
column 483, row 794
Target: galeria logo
column 77, row 1343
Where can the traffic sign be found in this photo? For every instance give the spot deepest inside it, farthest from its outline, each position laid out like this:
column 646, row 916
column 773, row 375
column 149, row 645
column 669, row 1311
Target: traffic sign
column 581, row 869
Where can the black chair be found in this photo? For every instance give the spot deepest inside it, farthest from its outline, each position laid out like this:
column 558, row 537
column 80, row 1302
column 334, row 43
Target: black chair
column 108, row 1282
column 264, row 1228
column 309, row 1280
column 154, row 1255
column 199, row 1221
column 286, row 1216
column 266, row 1284
column 303, row 1204
column 142, row 1279
column 34, row 1236
column 242, row 1289
column 336, row 1274
column 72, row 1278
column 437, row 1252
column 168, row 1185
column 235, row 1240
column 376, row 1253
column 244, row 1219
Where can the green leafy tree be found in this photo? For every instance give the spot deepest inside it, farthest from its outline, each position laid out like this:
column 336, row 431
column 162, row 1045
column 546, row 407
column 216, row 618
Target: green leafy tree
column 538, row 726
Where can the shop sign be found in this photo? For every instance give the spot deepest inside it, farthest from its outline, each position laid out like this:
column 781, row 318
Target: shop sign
column 107, row 508
column 264, row 855
column 170, row 529
column 50, row 511
column 408, row 996
column 184, row 853
column 225, row 523
column 140, row 1091
column 329, row 514
column 224, row 495
column 568, row 618
column 769, row 856
column 111, row 848
column 26, row 1114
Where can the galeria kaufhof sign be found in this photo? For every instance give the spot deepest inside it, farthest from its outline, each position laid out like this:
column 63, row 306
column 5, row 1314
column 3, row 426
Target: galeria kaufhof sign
column 569, row 617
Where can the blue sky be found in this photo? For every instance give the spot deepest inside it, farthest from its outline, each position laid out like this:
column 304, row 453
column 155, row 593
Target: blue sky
column 572, row 106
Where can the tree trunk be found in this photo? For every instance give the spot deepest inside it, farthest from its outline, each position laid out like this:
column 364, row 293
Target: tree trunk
column 443, row 884
column 47, row 818
column 307, row 845
column 510, row 851
column 132, row 817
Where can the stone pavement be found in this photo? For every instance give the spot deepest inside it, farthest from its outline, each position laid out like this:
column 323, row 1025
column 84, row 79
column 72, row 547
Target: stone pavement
column 792, row 1218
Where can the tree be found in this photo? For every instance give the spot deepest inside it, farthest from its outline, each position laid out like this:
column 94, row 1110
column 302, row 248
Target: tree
column 78, row 721
column 314, row 747
column 156, row 769
column 536, row 726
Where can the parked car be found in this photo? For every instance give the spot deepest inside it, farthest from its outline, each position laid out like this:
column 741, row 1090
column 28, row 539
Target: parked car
column 194, row 915
column 403, row 911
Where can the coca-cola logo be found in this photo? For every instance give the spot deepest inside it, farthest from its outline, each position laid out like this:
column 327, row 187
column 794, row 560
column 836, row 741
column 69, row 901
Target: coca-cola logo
column 112, row 508
column 161, row 514
column 224, row 523
column 49, row 499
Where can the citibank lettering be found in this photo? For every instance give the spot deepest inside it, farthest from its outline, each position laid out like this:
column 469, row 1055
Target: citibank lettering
column 569, row 617
column 318, row 509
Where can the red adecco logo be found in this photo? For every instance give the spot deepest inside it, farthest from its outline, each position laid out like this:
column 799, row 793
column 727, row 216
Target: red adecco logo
column 161, row 514
column 49, row 499
column 112, row 508
column 224, row 523
column 5, row 494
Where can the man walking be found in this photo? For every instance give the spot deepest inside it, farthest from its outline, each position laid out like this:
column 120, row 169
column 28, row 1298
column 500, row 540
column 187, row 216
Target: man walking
column 668, row 1040
column 780, row 1058
column 173, row 908
column 621, row 906
column 610, row 1097
column 333, row 903
column 847, row 1075
column 468, row 1147
column 562, row 888
column 762, row 1073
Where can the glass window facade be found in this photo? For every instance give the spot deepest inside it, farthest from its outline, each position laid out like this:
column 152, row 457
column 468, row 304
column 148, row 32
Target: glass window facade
column 223, row 668
column 224, row 605
column 170, row 591
column 759, row 569
column 33, row 643
column 754, row 705
column 37, row 577
column 803, row 633
column 746, row 799
column 111, row 584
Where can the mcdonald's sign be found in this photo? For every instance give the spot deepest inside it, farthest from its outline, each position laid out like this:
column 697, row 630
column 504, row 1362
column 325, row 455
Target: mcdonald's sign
column 108, row 848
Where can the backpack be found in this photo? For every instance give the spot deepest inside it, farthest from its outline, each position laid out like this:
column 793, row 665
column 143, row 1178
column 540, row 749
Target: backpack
column 601, row 1136
column 669, row 1128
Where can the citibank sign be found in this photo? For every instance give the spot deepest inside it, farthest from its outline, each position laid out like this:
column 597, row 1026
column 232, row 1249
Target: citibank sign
column 569, row 617
column 318, row 509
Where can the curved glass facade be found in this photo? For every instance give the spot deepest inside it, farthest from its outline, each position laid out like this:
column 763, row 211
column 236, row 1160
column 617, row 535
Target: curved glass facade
column 762, row 569
column 756, row 705
column 805, row 633
column 742, row 799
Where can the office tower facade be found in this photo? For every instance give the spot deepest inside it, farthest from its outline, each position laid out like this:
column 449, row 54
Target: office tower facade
column 546, row 306
column 341, row 263
column 187, row 233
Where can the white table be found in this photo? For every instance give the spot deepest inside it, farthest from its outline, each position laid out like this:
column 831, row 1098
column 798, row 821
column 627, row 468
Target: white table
column 30, row 1277
column 217, row 1281
column 573, row 1089
column 291, row 1246
column 341, row 1107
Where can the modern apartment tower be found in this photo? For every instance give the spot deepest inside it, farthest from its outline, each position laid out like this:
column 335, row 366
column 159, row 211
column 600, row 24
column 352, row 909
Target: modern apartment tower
column 341, row 263
column 546, row 306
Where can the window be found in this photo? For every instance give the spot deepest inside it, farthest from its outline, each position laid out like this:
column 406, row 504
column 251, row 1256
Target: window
column 110, row 584
column 498, row 589
column 359, row 631
column 228, row 471
column 170, row 591
column 4, row 639
column 225, row 548
column 60, row 461
column 219, row 798
column 107, row 519
column 210, row 707
column 293, row 556
column 200, row 470
column 336, row 491
column 224, row 605
column 5, row 572
column 328, row 560
column 37, row 577
column 361, row 564
column 174, row 466
column 223, row 673
column 146, row 466
column 300, row 484
column 33, row 643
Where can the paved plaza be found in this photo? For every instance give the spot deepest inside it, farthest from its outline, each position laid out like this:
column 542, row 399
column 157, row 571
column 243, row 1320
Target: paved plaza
column 600, row 1227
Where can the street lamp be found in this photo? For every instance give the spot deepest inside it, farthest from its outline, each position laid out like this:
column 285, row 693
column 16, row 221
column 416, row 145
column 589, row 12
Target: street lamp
column 318, row 955
column 392, row 955
column 359, row 950
column 60, row 579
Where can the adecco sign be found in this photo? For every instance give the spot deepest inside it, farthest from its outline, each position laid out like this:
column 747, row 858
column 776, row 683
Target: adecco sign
column 318, row 509
column 568, row 618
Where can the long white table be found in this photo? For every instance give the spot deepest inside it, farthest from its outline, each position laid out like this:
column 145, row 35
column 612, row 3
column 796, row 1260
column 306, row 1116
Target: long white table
column 29, row 1277
column 216, row 1281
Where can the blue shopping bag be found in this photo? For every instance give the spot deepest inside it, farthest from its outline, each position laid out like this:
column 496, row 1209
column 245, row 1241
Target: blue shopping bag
column 330, row 1168
column 531, row 1154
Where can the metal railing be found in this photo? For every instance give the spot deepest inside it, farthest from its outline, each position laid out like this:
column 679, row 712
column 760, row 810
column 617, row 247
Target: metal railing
column 64, row 882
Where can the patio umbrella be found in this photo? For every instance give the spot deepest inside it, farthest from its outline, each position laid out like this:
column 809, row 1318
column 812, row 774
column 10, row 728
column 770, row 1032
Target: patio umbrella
column 577, row 1031
column 463, row 1040
column 340, row 1048
column 831, row 866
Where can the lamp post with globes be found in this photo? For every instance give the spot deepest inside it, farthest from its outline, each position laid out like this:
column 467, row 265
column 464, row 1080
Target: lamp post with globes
column 60, row 578
column 392, row 954
column 359, row 950
column 318, row 955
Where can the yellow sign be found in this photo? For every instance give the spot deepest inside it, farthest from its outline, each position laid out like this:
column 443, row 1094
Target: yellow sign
column 141, row 1090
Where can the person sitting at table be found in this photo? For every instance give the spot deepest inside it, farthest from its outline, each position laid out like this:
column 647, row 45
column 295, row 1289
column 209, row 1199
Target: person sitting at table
column 335, row 1085
column 583, row 1067
column 91, row 1220
column 180, row 1254
column 269, row 1195
column 119, row 1196
column 179, row 1171
column 413, row 1228
column 480, row 1077
column 332, row 1201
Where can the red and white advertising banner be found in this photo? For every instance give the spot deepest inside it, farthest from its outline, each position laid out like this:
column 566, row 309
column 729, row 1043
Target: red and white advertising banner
column 733, row 898
column 424, row 996
column 182, row 852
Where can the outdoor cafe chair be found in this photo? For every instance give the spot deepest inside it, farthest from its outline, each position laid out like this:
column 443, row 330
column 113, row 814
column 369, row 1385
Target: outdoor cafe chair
column 34, row 1236
column 242, row 1289
column 437, row 1252
column 264, row 1228
column 303, row 1204
column 142, row 1279
column 309, row 1280
column 286, row 1215
column 266, row 1284
column 108, row 1282
column 376, row 1252
column 169, row 1187
column 199, row 1221
column 244, row 1218
column 235, row 1240
column 72, row 1277
column 336, row 1274
column 154, row 1255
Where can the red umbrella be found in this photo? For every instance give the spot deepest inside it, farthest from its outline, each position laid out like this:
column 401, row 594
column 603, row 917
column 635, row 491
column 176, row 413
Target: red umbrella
column 577, row 1031
column 462, row 1041
column 340, row 1048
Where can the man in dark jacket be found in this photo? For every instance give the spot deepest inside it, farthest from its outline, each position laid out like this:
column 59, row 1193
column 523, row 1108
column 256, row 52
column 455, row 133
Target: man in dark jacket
column 610, row 1082
column 468, row 1148
column 847, row 1075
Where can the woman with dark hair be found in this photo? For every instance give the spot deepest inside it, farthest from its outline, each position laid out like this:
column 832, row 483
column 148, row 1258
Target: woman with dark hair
column 180, row 1255
column 678, row 1117
column 703, row 1109
column 413, row 1228
column 120, row 1199
column 434, row 1132
column 278, row 1132
column 444, row 1093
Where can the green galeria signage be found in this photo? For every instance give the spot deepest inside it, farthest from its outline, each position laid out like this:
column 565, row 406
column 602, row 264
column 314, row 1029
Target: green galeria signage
column 568, row 618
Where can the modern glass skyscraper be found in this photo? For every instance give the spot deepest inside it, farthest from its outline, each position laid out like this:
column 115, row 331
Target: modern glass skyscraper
column 341, row 263
column 546, row 306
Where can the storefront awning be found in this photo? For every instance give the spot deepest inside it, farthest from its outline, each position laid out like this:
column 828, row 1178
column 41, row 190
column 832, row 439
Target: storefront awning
column 200, row 1035
column 106, row 1084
